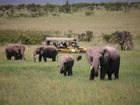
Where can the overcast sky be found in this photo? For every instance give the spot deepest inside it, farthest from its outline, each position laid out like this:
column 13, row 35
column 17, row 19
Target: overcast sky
column 58, row 1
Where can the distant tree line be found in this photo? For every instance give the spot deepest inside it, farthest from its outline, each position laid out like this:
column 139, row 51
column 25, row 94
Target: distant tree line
column 37, row 10
column 124, row 39
column 37, row 37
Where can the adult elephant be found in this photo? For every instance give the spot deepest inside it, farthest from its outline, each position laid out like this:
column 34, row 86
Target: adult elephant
column 45, row 52
column 107, row 60
column 16, row 51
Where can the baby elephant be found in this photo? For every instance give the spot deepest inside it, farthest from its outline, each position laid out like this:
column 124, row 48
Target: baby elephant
column 78, row 57
column 67, row 62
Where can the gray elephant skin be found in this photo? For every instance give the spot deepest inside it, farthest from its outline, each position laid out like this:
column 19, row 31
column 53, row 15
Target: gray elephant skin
column 45, row 52
column 106, row 59
column 67, row 62
column 16, row 51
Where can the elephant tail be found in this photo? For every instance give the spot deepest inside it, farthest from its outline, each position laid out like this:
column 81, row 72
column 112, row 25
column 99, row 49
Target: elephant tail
column 118, row 65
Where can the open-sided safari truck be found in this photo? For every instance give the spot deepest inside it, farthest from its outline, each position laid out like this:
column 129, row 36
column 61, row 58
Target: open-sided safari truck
column 65, row 45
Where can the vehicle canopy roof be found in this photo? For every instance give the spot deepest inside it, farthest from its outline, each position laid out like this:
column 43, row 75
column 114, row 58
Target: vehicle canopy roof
column 61, row 39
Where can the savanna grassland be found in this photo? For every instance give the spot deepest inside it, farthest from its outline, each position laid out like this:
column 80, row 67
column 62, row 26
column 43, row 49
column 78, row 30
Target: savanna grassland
column 101, row 22
column 34, row 83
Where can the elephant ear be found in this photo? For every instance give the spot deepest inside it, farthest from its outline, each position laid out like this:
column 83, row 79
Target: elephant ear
column 105, row 55
column 41, row 50
column 16, row 49
column 23, row 48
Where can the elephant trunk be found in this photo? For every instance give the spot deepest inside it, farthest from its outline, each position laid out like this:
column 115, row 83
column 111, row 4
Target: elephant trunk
column 23, row 57
column 34, row 56
column 21, row 51
column 95, row 67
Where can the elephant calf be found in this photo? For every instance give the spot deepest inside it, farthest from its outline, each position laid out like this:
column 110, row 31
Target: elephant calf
column 78, row 57
column 67, row 62
column 15, row 50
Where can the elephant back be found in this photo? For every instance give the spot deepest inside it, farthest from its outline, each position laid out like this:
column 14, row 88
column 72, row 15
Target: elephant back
column 12, row 48
column 51, row 51
column 66, row 58
column 114, row 53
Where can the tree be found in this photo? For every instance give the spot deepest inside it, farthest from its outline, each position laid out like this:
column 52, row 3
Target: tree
column 21, row 6
column 89, row 36
column 124, row 40
column 67, row 7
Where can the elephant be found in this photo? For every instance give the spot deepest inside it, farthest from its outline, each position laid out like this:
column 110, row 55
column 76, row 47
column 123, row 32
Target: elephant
column 78, row 57
column 45, row 52
column 67, row 62
column 107, row 60
column 89, row 54
column 16, row 51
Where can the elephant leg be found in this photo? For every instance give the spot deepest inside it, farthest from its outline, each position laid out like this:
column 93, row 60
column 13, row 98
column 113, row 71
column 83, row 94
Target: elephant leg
column 19, row 56
column 54, row 59
column 70, row 72
column 102, row 74
column 102, row 77
column 109, row 76
column 65, row 72
column 61, row 70
column 45, row 58
column 116, row 75
column 92, row 75
column 40, row 58
column 9, row 57
column 16, row 57
column 116, row 72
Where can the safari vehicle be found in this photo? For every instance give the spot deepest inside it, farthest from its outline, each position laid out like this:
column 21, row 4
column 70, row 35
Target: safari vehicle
column 65, row 45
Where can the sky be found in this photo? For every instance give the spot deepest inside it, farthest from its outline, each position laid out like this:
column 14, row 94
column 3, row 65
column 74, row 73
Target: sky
column 58, row 1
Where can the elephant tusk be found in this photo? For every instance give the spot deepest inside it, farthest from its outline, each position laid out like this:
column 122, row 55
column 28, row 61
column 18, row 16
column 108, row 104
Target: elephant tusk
column 91, row 67
column 99, row 67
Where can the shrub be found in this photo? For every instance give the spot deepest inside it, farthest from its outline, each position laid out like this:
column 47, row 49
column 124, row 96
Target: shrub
column 85, row 36
column 25, row 37
column 106, row 37
column 89, row 13
column 89, row 36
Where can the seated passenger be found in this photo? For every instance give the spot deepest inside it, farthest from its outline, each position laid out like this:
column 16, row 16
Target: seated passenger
column 65, row 45
column 61, row 45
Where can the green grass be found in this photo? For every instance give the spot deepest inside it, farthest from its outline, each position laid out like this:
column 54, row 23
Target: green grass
column 34, row 83
column 28, row 82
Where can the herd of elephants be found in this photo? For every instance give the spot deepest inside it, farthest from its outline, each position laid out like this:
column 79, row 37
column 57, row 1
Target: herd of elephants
column 105, row 59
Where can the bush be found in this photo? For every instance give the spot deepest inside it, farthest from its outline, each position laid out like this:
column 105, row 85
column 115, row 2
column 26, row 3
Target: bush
column 89, row 13
column 25, row 37
column 89, row 35
column 106, row 37
column 85, row 36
